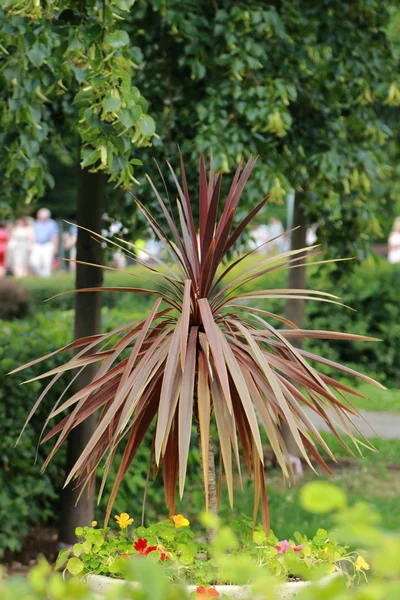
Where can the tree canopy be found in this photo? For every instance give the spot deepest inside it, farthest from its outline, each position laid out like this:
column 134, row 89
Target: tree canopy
column 67, row 79
column 306, row 86
column 312, row 88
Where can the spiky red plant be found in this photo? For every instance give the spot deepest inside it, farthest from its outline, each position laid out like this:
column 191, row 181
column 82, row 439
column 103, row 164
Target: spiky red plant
column 203, row 353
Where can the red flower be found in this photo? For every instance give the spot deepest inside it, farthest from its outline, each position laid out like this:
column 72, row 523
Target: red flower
column 125, row 556
column 202, row 592
column 143, row 549
column 140, row 546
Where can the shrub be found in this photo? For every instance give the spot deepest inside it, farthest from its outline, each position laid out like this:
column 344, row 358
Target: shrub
column 372, row 290
column 15, row 300
column 41, row 290
column 26, row 497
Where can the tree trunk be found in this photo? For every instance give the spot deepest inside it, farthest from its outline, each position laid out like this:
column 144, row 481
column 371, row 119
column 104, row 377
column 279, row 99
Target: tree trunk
column 90, row 208
column 212, row 483
column 212, row 490
column 294, row 309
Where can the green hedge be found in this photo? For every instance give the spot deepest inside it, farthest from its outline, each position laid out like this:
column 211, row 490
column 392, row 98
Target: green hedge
column 26, row 497
column 373, row 292
column 41, row 290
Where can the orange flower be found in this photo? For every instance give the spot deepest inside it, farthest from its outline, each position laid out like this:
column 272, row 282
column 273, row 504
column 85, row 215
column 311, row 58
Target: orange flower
column 206, row 593
column 180, row 521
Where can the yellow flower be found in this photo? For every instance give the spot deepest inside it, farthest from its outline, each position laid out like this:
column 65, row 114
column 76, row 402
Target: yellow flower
column 123, row 520
column 180, row 521
column 361, row 564
column 94, row 523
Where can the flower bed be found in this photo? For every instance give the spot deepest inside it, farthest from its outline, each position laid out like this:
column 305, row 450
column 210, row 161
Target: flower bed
column 185, row 556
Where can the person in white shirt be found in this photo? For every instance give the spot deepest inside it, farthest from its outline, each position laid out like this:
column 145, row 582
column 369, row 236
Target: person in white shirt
column 394, row 243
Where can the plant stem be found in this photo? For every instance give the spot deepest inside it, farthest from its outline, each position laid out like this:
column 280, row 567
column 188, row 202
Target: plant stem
column 212, row 488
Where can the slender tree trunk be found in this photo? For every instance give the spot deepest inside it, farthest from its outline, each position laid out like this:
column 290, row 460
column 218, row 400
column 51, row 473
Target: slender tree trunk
column 90, row 208
column 212, row 490
column 294, row 309
column 212, row 483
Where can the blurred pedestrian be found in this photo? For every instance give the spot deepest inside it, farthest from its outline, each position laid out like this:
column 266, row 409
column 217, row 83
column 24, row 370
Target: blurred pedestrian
column 45, row 246
column 394, row 243
column 70, row 238
column 20, row 247
column 3, row 248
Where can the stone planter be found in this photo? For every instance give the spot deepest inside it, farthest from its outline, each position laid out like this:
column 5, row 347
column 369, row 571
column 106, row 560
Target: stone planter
column 100, row 585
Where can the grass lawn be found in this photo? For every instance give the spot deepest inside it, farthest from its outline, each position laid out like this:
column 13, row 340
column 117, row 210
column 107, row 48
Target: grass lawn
column 368, row 480
column 376, row 399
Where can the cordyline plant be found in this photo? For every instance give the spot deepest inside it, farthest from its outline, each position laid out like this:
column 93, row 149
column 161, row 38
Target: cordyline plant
column 203, row 353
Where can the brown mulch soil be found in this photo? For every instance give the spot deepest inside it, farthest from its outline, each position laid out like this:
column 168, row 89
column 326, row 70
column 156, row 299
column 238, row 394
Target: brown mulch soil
column 41, row 540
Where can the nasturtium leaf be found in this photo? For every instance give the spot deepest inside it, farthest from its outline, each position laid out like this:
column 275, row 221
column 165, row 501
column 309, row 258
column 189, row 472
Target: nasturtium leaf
column 77, row 549
column 75, row 566
column 86, row 547
column 111, row 102
column 186, row 559
column 118, row 566
column 147, row 125
column 117, row 39
column 259, row 537
column 62, row 558
column 322, row 497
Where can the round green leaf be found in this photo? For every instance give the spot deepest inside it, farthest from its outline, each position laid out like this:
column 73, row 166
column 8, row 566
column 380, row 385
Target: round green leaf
column 320, row 497
column 111, row 103
column 117, row 39
column 147, row 125
column 75, row 566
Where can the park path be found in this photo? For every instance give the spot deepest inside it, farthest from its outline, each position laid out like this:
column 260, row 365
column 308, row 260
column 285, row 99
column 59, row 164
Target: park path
column 386, row 424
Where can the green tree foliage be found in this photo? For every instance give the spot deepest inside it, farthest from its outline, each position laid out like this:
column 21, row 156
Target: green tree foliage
column 307, row 86
column 66, row 73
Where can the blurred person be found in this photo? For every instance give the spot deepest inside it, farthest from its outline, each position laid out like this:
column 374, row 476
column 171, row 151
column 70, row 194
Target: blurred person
column 394, row 243
column 70, row 238
column 21, row 242
column 4, row 237
column 311, row 235
column 118, row 260
column 46, row 243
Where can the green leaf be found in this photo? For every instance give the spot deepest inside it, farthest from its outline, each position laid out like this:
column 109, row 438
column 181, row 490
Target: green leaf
column 89, row 157
column 36, row 55
column 75, row 566
column 147, row 125
column 322, row 497
column 259, row 537
column 118, row 566
column 125, row 116
column 111, row 102
column 124, row 4
column 62, row 558
column 117, row 39
column 77, row 549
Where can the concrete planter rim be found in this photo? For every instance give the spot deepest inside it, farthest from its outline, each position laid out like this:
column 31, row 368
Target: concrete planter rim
column 100, row 585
